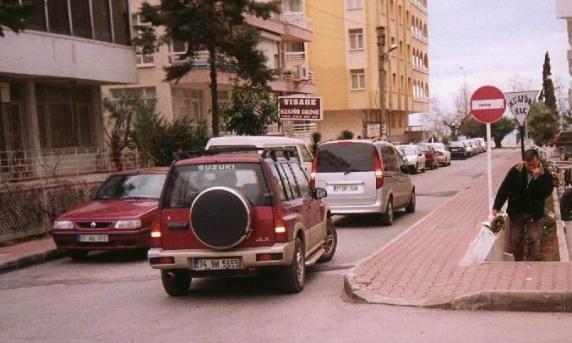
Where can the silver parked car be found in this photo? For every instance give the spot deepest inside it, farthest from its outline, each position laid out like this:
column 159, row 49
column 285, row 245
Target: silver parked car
column 413, row 157
column 363, row 177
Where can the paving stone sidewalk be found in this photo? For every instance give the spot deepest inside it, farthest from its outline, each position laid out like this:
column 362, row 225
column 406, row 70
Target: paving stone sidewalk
column 27, row 253
column 421, row 266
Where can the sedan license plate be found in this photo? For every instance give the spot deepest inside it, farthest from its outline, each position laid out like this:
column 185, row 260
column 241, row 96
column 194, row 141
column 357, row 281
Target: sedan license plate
column 346, row 188
column 216, row 263
column 93, row 238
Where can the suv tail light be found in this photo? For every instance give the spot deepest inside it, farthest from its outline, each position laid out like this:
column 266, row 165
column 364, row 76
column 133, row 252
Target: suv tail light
column 313, row 172
column 378, row 165
column 156, row 235
column 280, row 233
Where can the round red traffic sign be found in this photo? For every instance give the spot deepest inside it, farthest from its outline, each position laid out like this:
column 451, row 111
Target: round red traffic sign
column 488, row 104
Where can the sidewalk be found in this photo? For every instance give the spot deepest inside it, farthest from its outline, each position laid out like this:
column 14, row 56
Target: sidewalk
column 421, row 266
column 27, row 253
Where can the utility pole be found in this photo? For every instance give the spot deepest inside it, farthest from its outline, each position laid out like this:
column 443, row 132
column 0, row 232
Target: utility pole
column 381, row 66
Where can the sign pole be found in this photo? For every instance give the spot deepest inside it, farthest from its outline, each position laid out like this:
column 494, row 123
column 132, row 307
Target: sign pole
column 522, row 141
column 489, row 171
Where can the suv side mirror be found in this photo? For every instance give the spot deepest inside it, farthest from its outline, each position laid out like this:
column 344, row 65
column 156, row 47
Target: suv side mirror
column 319, row 193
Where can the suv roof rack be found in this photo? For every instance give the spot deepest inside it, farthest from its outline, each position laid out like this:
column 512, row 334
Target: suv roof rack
column 267, row 152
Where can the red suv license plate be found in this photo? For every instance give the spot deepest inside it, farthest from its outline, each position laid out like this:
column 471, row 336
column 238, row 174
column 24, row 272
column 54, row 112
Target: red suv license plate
column 216, row 263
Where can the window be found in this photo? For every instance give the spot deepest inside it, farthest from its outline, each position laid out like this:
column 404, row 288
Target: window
column 142, row 59
column 64, row 116
column 340, row 157
column 279, row 183
column 121, row 22
column 291, row 180
column 353, row 4
column 358, row 78
column 134, row 92
column 81, row 18
column 389, row 158
column 58, row 18
column 101, row 20
column 285, row 183
column 188, row 103
column 305, row 190
column 295, row 5
column 356, row 39
column 222, row 98
column 37, row 19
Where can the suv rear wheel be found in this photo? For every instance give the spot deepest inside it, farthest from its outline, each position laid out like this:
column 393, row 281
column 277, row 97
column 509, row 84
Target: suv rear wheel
column 387, row 217
column 176, row 282
column 331, row 241
column 294, row 275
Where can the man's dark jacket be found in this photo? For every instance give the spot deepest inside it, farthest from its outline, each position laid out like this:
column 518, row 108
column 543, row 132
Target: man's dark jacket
column 524, row 198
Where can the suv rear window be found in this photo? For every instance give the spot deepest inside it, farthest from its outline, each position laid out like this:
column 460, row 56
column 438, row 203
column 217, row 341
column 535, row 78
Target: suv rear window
column 188, row 181
column 344, row 157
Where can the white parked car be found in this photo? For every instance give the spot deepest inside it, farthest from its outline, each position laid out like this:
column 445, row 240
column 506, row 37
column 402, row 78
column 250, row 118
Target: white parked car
column 443, row 155
column 303, row 154
column 413, row 157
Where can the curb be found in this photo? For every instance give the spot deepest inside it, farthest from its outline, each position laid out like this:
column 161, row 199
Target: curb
column 537, row 301
column 30, row 260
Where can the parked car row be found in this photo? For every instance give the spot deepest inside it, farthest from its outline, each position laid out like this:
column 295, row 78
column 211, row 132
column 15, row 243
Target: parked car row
column 247, row 204
column 423, row 156
column 467, row 148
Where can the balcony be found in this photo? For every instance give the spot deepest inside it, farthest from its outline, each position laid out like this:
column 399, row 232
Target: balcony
column 35, row 53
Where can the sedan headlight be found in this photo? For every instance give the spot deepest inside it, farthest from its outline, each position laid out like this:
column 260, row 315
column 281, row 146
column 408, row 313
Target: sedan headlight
column 62, row 225
column 128, row 224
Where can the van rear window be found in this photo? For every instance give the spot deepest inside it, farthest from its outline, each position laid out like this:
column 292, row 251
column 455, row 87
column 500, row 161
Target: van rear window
column 345, row 157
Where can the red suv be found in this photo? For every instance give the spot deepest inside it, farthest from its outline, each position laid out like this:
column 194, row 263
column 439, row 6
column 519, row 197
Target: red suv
column 238, row 213
column 118, row 215
column 431, row 160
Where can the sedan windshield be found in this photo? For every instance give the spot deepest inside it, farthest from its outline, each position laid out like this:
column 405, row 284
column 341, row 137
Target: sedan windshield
column 408, row 151
column 131, row 186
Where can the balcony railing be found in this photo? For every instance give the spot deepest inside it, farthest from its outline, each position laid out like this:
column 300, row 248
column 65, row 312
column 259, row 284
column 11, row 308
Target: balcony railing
column 294, row 18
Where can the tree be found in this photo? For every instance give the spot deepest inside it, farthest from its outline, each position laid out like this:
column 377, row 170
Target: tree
column 470, row 127
column 157, row 139
column 119, row 124
column 542, row 124
column 13, row 15
column 217, row 26
column 500, row 129
column 547, row 94
column 250, row 111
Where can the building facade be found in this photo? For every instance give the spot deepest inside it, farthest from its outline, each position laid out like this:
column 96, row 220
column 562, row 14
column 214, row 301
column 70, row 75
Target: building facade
column 51, row 120
column 564, row 11
column 346, row 59
column 284, row 41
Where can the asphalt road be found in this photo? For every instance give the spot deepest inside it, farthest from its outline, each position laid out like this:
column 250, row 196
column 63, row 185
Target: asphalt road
column 118, row 298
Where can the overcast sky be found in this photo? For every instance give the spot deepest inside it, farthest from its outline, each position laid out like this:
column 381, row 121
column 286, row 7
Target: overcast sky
column 493, row 40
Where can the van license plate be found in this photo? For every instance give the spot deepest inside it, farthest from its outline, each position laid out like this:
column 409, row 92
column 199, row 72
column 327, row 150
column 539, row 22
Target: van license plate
column 93, row 238
column 346, row 188
column 216, row 263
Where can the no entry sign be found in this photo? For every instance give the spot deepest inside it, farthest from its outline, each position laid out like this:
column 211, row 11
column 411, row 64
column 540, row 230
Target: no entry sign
column 488, row 104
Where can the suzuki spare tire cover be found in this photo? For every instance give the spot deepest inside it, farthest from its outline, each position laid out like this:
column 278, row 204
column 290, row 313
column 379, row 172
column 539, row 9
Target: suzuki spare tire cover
column 220, row 217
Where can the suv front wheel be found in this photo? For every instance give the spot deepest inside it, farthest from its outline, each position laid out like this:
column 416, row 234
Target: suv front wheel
column 294, row 275
column 176, row 282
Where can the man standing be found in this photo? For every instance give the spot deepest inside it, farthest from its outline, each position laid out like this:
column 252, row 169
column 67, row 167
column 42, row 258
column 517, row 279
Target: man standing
column 526, row 187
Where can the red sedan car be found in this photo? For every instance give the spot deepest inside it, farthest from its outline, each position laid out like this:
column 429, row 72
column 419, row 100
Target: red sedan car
column 118, row 215
column 431, row 161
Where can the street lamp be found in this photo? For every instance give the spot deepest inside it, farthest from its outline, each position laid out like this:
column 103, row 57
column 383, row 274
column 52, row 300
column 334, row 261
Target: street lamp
column 381, row 66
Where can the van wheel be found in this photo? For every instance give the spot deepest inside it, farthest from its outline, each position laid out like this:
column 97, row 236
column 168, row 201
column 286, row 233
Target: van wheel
column 331, row 241
column 387, row 217
column 294, row 275
column 176, row 282
column 411, row 206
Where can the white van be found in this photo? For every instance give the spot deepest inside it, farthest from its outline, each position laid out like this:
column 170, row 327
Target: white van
column 302, row 152
column 363, row 177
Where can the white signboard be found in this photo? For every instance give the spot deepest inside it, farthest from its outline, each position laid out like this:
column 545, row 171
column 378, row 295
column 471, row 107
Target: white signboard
column 520, row 104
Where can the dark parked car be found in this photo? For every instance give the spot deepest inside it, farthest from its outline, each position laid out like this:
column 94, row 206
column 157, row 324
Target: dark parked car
column 117, row 217
column 458, row 150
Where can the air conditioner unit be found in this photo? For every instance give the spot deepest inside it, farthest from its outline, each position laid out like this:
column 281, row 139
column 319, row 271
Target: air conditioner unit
column 302, row 72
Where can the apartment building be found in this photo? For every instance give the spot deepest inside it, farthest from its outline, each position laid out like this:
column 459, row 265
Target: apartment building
column 51, row 120
column 284, row 41
column 564, row 11
column 345, row 59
